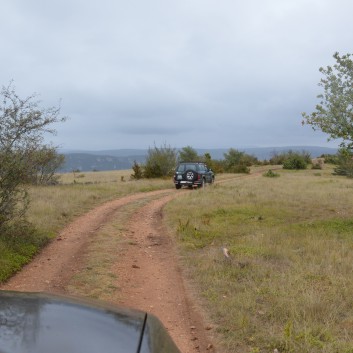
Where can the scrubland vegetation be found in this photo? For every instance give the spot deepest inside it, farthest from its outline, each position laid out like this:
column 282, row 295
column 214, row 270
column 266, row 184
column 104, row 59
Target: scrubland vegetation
column 54, row 206
column 288, row 282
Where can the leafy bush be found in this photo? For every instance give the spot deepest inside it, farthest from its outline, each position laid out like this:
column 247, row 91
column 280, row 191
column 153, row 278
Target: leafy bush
column 238, row 162
column 330, row 158
column 240, row 168
column 138, row 171
column 160, row 162
column 295, row 161
column 188, row 154
column 270, row 174
column 280, row 158
column 18, row 244
column 344, row 163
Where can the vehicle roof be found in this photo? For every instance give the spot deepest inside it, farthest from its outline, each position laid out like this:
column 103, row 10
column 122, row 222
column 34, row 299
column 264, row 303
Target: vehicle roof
column 192, row 163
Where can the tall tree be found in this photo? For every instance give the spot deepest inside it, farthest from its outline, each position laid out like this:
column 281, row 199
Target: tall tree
column 334, row 113
column 22, row 125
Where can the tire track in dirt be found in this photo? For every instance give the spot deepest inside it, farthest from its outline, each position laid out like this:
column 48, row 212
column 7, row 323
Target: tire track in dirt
column 149, row 277
column 151, row 280
column 51, row 269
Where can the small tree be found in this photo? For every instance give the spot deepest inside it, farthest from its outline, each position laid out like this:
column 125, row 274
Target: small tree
column 160, row 162
column 22, row 125
column 215, row 165
column 344, row 163
column 334, row 113
column 188, row 154
column 138, row 171
column 295, row 161
column 44, row 163
column 238, row 162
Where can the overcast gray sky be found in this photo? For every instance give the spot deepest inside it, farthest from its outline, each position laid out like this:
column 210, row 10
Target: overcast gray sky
column 204, row 73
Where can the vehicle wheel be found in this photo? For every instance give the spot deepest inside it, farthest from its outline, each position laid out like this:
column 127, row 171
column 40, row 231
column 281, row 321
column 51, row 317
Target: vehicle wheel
column 190, row 175
column 177, row 186
column 212, row 180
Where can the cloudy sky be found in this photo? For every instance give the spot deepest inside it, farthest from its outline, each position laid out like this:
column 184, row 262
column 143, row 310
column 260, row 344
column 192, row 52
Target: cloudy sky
column 203, row 73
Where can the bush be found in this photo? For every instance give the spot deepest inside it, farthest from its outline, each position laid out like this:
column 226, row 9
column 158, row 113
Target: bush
column 238, row 162
column 240, row 168
column 344, row 163
column 138, row 171
column 330, row 158
column 19, row 242
column 295, row 161
column 281, row 158
column 160, row 162
column 270, row 174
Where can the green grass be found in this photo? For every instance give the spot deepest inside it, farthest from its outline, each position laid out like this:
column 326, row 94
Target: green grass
column 52, row 207
column 18, row 244
column 289, row 282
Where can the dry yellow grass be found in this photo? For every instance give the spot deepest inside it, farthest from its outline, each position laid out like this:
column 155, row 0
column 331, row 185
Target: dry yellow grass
column 288, row 283
column 53, row 206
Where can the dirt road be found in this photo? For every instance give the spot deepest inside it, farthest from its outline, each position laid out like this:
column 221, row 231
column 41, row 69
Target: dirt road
column 147, row 268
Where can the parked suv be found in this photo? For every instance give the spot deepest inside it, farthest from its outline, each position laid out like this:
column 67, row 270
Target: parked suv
column 192, row 174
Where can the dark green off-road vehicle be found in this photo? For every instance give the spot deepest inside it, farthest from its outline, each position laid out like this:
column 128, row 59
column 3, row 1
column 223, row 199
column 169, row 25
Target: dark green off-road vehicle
column 193, row 174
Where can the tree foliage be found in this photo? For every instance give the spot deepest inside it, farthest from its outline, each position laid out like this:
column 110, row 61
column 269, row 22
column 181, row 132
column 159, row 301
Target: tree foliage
column 42, row 165
column 160, row 162
column 344, row 160
column 295, row 161
column 188, row 154
column 334, row 113
column 138, row 171
column 22, row 125
column 238, row 162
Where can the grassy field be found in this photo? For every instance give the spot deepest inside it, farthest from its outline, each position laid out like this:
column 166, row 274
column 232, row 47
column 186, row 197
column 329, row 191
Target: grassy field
column 288, row 283
column 52, row 207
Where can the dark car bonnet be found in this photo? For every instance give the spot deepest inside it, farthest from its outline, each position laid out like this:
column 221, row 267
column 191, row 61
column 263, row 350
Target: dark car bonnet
column 42, row 323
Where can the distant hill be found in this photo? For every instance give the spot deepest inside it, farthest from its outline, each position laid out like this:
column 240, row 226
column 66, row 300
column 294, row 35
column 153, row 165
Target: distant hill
column 85, row 162
column 124, row 158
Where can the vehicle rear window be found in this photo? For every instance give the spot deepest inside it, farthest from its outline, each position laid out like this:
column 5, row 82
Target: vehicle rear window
column 185, row 167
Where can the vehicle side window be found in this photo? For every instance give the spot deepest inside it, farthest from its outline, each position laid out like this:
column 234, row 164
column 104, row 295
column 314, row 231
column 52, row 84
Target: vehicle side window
column 181, row 168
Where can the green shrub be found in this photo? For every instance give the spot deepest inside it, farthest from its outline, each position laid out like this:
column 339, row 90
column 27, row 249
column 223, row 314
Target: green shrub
column 281, row 158
column 344, row 163
column 138, row 171
column 160, row 162
column 18, row 244
column 240, row 168
column 295, row 161
column 330, row 158
column 270, row 174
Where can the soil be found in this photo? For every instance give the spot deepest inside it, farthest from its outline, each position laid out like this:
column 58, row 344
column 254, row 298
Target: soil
column 148, row 268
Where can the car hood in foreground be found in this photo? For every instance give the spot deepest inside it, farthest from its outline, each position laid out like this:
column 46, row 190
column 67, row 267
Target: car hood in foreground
column 42, row 323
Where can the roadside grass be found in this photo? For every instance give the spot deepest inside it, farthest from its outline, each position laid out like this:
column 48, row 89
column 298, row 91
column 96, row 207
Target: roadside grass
column 288, row 283
column 52, row 207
